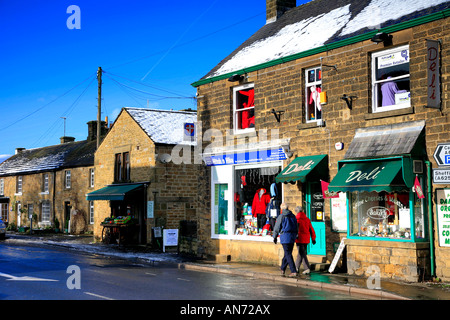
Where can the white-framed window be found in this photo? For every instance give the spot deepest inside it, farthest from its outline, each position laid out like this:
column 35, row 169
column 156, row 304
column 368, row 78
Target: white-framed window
column 2, row 186
column 244, row 108
column 91, row 212
column 19, row 185
column 68, row 179
column 313, row 88
column 45, row 211
column 234, row 189
column 91, row 177
column 45, row 183
column 390, row 80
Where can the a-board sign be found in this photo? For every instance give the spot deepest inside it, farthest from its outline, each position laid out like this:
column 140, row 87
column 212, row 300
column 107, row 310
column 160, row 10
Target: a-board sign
column 170, row 238
column 337, row 256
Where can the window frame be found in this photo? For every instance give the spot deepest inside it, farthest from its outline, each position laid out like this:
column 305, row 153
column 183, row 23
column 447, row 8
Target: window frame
column 67, row 179
column 19, row 185
column 376, row 108
column 236, row 110
column 45, row 183
column 2, row 187
column 45, row 214
column 91, row 212
column 308, row 85
column 91, row 177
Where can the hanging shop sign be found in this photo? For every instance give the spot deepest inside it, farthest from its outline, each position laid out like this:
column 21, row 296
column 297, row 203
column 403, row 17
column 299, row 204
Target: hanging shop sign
column 245, row 157
column 433, row 71
column 443, row 216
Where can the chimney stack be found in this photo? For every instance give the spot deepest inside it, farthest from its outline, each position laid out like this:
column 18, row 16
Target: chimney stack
column 66, row 139
column 276, row 8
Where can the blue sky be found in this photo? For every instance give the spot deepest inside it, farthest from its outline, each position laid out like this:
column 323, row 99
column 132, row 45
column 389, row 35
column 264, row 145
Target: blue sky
column 151, row 52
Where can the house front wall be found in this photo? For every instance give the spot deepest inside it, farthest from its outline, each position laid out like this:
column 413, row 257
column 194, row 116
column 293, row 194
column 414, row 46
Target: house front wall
column 172, row 188
column 345, row 70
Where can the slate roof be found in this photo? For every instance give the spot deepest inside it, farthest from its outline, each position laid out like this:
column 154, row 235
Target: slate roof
column 164, row 126
column 321, row 22
column 67, row 155
column 387, row 140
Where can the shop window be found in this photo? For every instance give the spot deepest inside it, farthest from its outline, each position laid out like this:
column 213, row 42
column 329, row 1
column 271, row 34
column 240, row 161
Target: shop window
column 244, row 209
column 313, row 88
column 386, row 215
column 244, row 108
column 390, row 80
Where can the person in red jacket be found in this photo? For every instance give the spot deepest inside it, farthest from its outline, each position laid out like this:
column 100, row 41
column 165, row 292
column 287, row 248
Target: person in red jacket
column 259, row 204
column 305, row 231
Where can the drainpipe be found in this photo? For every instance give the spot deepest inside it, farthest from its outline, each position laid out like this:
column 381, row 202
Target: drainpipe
column 430, row 220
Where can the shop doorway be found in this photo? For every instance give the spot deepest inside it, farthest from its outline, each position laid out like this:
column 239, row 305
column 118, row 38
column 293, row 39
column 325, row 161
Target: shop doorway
column 315, row 212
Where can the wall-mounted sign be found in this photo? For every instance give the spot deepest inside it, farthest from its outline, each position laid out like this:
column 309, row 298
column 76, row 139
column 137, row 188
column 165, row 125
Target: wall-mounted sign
column 443, row 216
column 442, row 154
column 245, row 157
column 433, row 70
column 441, row 176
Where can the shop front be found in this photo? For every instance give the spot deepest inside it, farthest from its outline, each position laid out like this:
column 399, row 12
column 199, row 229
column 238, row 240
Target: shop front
column 386, row 207
column 309, row 171
column 125, row 223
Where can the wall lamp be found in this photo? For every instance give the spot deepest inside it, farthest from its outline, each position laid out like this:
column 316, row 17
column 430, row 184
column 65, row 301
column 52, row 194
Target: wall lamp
column 287, row 150
column 277, row 114
column 382, row 37
column 349, row 100
column 236, row 77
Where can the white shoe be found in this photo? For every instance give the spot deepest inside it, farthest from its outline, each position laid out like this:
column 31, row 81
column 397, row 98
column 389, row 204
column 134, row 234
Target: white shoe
column 306, row 271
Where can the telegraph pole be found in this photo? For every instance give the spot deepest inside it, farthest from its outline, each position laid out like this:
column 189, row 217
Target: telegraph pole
column 99, row 111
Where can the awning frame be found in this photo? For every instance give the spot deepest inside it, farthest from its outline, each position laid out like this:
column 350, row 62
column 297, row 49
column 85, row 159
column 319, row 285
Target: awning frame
column 115, row 192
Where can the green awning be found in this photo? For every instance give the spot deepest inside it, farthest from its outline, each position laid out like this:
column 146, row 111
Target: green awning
column 313, row 167
column 385, row 175
column 113, row 192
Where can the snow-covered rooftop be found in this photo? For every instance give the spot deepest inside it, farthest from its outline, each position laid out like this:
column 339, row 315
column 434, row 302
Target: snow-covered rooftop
column 165, row 126
column 321, row 22
column 71, row 154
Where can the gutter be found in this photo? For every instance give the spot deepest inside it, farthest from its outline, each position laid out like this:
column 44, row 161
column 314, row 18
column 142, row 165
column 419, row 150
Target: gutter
column 338, row 44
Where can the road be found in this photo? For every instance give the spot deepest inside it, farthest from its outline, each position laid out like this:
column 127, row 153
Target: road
column 39, row 272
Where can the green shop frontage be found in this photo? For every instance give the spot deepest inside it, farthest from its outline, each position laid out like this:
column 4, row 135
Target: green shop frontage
column 385, row 180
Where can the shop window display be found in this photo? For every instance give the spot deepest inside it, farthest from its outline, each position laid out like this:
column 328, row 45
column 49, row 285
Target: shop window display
column 257, row 200
column 385, row 215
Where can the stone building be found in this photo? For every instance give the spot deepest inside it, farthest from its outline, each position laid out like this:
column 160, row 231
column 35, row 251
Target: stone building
column 351, row 93
column 140, row 173
column 50, row 184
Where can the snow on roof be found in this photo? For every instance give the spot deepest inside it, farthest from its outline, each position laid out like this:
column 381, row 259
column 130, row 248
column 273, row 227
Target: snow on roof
column 71, row 154
column 317, row 23
column 164, row 126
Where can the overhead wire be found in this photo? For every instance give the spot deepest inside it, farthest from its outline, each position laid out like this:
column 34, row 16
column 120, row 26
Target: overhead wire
column 66, row 113
column 44, row 106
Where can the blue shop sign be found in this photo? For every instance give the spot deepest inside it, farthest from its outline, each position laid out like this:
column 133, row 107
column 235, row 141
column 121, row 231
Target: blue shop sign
column 245, row 157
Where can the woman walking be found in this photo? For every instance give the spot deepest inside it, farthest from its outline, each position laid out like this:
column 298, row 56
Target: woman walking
column 305, row 231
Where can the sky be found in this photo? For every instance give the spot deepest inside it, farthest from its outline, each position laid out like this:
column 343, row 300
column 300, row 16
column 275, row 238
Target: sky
column 150, row 51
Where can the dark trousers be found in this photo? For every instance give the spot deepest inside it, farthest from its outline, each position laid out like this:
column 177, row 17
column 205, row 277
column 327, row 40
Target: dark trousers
column 302, row 256
column 288, row 259
column 261, row 220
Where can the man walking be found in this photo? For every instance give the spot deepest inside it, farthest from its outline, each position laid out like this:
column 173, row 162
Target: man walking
column 286, row 226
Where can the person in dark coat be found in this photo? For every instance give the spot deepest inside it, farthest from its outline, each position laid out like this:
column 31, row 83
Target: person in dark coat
column 286, row 226
column 305, row 232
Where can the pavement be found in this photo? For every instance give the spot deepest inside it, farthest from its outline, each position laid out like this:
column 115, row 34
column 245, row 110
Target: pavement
column 356, row 286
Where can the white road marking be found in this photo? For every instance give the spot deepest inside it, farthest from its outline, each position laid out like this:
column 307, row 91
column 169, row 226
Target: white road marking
column 98, row 296
column 25, row 278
